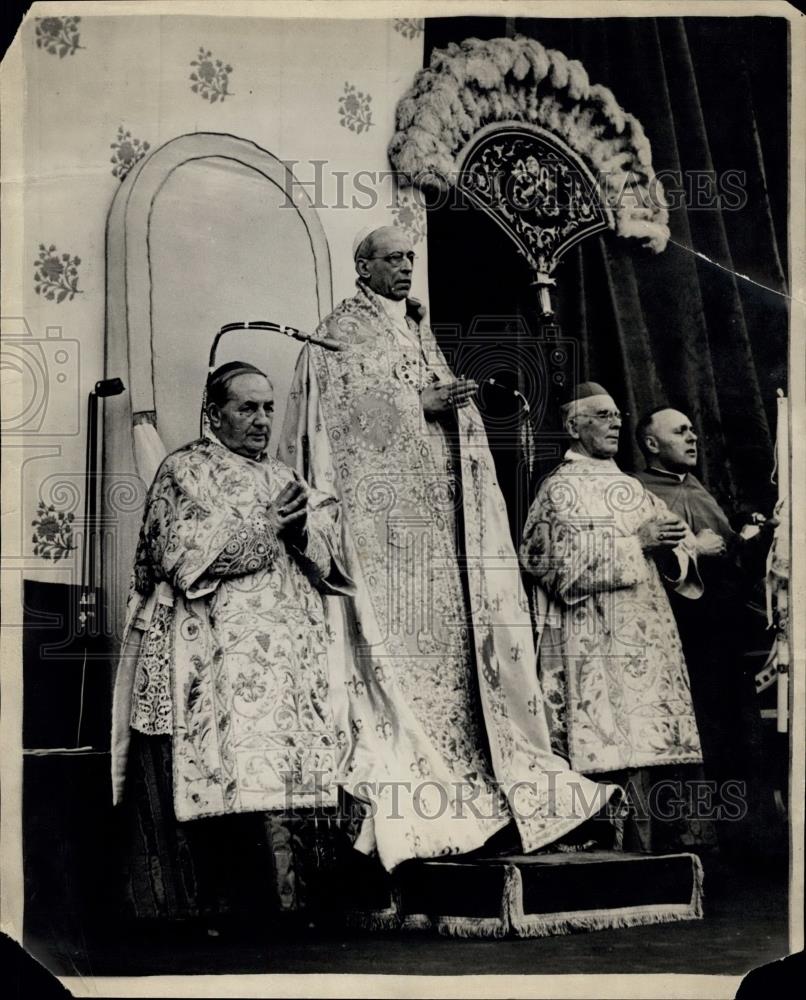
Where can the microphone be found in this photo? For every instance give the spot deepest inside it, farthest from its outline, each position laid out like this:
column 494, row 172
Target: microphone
column 496, row 384
column 109, row 387
column 295, row 334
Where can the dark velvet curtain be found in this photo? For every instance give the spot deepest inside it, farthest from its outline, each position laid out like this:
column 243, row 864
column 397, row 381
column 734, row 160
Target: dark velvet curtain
column 702, row 326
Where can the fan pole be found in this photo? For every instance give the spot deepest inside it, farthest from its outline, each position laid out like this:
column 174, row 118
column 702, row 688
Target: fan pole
column 543, row 281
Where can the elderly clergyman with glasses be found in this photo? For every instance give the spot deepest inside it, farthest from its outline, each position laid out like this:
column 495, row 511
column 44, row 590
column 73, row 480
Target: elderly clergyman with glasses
column 445, row 738
column 596, row 543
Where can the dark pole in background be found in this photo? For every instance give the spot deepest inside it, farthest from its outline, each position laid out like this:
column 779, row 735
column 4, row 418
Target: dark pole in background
column 88, row 612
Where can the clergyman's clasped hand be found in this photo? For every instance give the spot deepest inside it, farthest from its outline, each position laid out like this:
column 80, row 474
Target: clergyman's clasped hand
column 709, row 543
column 443, row 397
column 289, row 513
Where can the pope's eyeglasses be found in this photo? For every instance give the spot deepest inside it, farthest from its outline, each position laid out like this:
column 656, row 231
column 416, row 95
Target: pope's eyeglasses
column 396, row 258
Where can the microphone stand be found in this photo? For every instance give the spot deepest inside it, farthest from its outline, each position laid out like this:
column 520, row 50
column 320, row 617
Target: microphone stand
column 524, row 417
column 287, row 331
column 88, row 612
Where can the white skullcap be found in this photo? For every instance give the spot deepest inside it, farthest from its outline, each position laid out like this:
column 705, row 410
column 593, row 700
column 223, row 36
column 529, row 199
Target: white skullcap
column 360, row 236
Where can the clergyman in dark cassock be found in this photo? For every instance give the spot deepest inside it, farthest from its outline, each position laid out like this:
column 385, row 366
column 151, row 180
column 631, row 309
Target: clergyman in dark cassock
column 714, row 630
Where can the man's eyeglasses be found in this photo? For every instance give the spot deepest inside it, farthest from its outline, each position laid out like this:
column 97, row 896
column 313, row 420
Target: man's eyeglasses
column 606, row 416
column 396, row 258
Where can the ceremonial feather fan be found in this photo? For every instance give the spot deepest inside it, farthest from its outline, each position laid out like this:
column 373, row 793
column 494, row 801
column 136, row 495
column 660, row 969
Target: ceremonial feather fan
column 526, row 137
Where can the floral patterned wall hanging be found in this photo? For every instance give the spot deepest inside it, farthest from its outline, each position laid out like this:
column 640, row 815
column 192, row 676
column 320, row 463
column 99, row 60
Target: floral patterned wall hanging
column 210, row 77
column 56, row 275
column 128, row 151
column 355, row 109
column 53, row 532
column 58, row 35
column 409, row 214
column 409, row 27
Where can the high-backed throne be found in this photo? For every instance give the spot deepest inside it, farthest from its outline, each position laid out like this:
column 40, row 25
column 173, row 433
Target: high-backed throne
column 200, row 234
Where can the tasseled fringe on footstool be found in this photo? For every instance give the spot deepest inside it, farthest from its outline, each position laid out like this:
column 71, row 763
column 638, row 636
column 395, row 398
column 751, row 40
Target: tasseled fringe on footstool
column 464, row 927
column 513, row 922
column 551, row 924
column 387, row 919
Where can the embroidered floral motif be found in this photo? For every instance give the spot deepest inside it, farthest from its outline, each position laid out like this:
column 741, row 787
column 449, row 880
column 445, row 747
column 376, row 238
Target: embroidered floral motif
column 53, row 532
column 375, row 419
column 357, row 686
column 249, row 688
column 384, row 729
column 58, row 35
column 152, row 710
column 420, row 767
column 409, row 27
column 210, row 77
column 355, row 109
column 636, row 667
column 56, row 277
column 251, row 548
column 128, row 151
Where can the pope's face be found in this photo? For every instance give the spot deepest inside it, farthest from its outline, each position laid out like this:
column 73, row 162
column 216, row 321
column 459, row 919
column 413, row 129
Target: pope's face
column 243, row 423
column 389, row 267
column 596, row 426
column 672, row 441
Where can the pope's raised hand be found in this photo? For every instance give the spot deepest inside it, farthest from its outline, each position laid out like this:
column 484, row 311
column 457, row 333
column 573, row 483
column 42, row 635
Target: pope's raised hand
column 443, row 397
